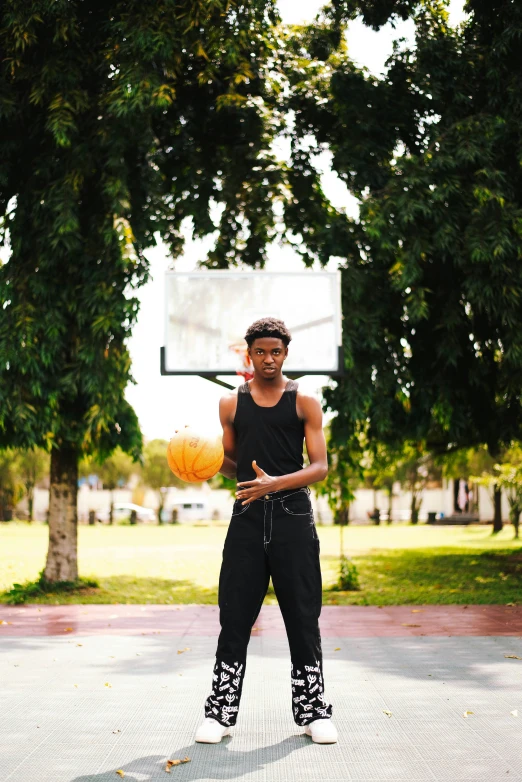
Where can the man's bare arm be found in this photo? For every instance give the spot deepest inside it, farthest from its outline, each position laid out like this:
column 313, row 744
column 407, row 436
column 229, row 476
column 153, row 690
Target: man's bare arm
column 317, row 470
column 227, row 410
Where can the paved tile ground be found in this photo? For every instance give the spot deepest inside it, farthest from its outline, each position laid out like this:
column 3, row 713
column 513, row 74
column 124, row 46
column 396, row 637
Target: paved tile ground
column 76, row 707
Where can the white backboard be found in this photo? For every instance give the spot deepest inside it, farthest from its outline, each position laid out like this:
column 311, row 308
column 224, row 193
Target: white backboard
column 208, row 312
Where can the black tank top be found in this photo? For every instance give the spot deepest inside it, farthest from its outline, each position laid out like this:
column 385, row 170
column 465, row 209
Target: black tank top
column 273, row 436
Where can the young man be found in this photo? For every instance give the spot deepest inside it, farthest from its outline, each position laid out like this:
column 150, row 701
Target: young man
column 271, row 533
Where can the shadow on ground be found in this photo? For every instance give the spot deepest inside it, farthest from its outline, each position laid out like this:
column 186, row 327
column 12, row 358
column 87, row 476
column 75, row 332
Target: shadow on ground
column 214, row 761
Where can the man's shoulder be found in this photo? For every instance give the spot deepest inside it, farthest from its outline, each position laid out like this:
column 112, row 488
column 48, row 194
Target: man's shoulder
column 307, row 397
column 308, row 404
column 227, row 407
column 229, row 398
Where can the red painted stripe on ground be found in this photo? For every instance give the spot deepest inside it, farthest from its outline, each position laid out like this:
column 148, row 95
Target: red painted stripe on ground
column 203, row 620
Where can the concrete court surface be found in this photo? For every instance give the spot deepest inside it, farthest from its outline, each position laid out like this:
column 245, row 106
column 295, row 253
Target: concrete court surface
column 87, row 690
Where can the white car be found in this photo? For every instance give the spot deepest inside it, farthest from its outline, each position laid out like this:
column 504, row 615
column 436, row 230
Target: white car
column 122, row 510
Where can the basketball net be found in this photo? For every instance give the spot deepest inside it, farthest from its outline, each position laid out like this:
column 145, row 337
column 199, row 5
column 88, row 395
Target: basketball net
column 244, row 364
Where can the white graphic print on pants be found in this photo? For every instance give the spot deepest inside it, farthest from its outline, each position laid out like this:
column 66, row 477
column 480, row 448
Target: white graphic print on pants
column 308, row 699
column 223, row 703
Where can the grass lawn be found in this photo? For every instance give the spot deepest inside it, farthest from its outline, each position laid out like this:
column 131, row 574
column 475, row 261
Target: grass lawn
column 400, row 564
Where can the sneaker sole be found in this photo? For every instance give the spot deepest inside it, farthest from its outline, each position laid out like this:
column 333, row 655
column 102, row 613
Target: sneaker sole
column 212, row 741
column 308, row 732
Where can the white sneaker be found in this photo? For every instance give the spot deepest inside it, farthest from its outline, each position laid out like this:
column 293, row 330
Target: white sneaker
column 322, row 731
column 211, row 731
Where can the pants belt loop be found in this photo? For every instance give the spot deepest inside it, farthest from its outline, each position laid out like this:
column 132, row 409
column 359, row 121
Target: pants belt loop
column 264, row 523
column 267, row 499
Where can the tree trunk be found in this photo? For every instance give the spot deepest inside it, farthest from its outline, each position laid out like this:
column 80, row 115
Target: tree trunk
column 111, row 509
column 414, row 511
column 162, row 496
column 30, row 503
column 497, row 505
column 390, row 504
column 515, row 520
column 62, row 554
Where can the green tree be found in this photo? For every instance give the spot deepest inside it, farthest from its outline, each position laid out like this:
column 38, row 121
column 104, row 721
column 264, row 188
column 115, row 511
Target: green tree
column 117, row 123
column 506, row 475
column 11, row 489
column 467, row 462
column 344, row 476
column 415, row 469
column 31, row 465
column 114, row 472
column 510, row 479
column 156, row 473
column 380, row 470
column 222, row 482
column 432, row 279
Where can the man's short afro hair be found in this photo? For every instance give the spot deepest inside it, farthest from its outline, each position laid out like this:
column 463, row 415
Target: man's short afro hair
column 268, row 327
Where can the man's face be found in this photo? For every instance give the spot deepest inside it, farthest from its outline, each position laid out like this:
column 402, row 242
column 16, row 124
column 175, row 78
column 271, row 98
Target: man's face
column 268, row 355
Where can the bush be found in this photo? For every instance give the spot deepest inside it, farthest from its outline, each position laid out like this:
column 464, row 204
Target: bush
column 22, row 593
column 348, row 575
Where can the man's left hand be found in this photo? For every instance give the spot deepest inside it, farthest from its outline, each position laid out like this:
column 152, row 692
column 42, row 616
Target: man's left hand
column 253, row 490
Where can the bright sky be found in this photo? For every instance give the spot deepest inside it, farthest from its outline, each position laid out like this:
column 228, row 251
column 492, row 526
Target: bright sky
column 165, row 403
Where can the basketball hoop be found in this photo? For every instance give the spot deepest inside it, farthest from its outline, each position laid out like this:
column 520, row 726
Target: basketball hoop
column 207, row 313
column 244, row 364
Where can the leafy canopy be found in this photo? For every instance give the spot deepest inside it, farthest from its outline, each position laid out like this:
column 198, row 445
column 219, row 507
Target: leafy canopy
column 118, row 122
column 432, row 279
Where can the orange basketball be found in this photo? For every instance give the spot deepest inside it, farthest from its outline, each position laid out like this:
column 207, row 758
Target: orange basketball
column 193, row 456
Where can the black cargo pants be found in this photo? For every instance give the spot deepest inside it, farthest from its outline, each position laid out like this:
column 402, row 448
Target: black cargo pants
column 271, row 537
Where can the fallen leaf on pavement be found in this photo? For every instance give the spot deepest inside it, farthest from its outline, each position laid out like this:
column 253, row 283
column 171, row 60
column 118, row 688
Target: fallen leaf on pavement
column 467, row 713
column 175, row 762
column 79, row 644
column 417, row 610
column 337, row 649
column 120, row 772
column 388, row 713
column 186, row 649
column 107, row 684
column 68, row 630
column 514, row 713
column 512, row 657
column 405, row 624
column 117, row 731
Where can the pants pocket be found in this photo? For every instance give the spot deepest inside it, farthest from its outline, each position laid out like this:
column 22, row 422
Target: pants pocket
column 238, row 509
column 297, row 504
